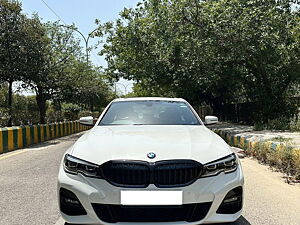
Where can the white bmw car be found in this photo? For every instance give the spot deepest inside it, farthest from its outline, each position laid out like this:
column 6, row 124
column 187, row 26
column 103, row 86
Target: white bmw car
column 150, row 161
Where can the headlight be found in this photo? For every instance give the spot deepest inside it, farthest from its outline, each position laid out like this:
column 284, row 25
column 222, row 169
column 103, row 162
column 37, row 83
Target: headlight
column 74, row 165
column 226, row 165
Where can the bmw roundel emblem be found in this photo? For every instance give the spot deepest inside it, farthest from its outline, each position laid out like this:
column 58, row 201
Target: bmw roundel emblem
column 151, row 155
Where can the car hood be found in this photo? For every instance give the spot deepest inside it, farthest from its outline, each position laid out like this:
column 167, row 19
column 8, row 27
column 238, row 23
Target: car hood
column 134, row 142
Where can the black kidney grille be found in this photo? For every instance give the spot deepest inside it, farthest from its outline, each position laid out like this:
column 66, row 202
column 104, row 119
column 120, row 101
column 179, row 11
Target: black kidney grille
column 176, row 173
column 169, row 173
column 126, row 173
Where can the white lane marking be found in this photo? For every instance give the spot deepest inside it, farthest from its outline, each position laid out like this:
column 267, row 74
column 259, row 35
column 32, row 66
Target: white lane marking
column 60, row 221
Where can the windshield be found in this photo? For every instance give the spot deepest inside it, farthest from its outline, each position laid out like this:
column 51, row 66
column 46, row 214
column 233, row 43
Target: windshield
column 149, row 113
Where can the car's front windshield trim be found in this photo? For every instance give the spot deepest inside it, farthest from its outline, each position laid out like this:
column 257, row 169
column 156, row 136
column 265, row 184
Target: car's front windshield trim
column 190, row 109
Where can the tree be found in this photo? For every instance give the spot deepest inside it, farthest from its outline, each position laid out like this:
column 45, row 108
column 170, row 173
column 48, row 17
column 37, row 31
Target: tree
column 87, row 86
column 157, row 47
column 58, row 50
column 15, row 47
column 217, row 52
column 64, row 75
column 257, row 42
column 48, row 59
column 24, row 108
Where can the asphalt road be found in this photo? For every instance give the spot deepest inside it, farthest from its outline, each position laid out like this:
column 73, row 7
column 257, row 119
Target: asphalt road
column 28, row 189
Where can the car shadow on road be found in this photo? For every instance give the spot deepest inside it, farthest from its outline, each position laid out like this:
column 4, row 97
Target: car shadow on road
column 240, row 221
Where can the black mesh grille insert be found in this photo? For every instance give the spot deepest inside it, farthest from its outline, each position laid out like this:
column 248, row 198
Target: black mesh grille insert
column 179, row 173
column 120, row 213
column 168, row 173
column 126, row 174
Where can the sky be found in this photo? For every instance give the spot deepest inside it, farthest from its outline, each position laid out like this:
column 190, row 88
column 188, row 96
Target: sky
column 83, row 14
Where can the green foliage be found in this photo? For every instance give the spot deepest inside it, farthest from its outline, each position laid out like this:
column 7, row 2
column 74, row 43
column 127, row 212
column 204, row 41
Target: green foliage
column 24, row 109
column 58, row 51
column 65, row 76
column 143, row 90
column 3, row 104
column 20, row 47
column 86, row 87
column 282, row 123
column 54, row 115
column 48, row 59
column 94, row 114
column 3, row 95
column 213, row 52
column 15, row 42
column 258, row 126
column 71, row 111
column 295, row 123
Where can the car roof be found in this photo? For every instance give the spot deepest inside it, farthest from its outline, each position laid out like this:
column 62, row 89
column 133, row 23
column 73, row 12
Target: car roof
column 149, row 99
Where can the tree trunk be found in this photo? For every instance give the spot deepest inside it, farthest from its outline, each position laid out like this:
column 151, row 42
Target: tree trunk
column 41, row 102
column 10, row 92
column 217, row 106
column 92, row 106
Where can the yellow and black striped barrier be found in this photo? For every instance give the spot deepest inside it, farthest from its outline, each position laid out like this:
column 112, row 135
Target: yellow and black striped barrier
column 281, row 155
column 12, row 138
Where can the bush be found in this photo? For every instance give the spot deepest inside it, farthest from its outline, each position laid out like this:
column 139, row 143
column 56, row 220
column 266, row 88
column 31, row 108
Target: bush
column 279, row 124
column 297, row 163
column 258, row 126
column 71, row 111
column 95, row 114
column 24, row 111
column 53, row 115
column 288, row 161
column 295, row 124
column 261, row 152
column 285, row 158
column 282, row 123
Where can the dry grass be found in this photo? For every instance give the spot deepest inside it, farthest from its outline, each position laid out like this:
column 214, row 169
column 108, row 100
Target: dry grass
column 276, row 152
column 284, row 158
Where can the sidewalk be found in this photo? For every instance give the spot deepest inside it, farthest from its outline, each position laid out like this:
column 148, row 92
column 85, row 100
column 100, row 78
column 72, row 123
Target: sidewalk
column 279, row 149
column 277, row 137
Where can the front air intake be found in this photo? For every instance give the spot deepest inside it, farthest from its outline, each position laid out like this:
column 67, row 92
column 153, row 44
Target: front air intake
column 232, row 202
column 120, row 213
column 70, row 204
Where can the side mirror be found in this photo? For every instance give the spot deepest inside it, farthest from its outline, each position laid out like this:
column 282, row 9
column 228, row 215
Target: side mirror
column 87, row 120
column 211, row 120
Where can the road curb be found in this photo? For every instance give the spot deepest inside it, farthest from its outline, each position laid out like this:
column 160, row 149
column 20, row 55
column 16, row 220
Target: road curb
column 277, row 154
column 13, row 138
column 244, row 142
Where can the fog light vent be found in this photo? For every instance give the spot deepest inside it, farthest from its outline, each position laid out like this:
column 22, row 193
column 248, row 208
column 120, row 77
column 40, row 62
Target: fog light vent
column 70, row 204
column 232, row 202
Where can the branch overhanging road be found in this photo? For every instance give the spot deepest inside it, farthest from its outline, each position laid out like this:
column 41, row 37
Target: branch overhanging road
column 28, row 189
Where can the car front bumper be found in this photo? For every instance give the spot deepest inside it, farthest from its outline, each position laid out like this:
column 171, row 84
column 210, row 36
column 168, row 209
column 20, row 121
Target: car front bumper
column 97, row 191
